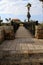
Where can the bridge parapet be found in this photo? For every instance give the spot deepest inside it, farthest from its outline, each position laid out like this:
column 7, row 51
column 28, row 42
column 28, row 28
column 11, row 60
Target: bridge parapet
column 39, row 32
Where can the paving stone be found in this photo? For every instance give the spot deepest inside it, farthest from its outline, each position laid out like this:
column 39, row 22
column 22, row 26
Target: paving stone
column 24, row 50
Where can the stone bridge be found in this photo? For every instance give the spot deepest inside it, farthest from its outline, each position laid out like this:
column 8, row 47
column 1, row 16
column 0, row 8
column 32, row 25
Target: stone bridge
column 23, row 50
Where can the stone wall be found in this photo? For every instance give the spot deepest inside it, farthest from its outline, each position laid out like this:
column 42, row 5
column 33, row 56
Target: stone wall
column 39, row 32
column 1, row 35
column 6, row 32
column 9, row 32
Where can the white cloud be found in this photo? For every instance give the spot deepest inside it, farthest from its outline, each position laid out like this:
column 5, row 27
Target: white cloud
column 17, row 7
column 12, row 7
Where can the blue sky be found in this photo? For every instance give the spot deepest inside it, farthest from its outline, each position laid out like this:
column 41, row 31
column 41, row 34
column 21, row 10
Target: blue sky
column 17, row 9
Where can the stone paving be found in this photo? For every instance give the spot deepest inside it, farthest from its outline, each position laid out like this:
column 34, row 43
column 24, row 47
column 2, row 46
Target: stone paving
column 23, row 41
column 23, row 50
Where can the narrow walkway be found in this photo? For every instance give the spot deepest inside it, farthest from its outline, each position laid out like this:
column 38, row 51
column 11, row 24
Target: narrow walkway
column 23, row 50
column 24, row 43
column 23, row 33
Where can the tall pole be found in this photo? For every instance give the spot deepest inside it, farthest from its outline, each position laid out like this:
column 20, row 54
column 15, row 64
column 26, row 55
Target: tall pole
column 28, row 16
column 28, row 13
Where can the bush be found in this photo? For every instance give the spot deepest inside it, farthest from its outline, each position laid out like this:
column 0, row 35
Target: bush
column 41, row 24
column 15, row 26
column 30, row 26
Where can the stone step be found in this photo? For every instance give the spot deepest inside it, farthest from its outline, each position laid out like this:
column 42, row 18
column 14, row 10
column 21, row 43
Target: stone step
column 9, row 58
